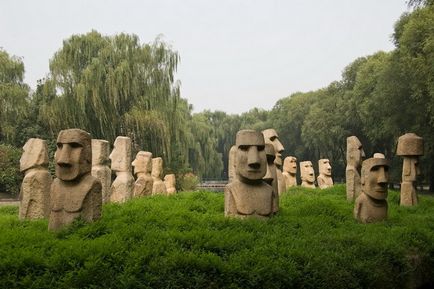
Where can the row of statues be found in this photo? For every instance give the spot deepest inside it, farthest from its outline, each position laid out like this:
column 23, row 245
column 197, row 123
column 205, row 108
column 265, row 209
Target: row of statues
column 369, row 188
column 83, row 177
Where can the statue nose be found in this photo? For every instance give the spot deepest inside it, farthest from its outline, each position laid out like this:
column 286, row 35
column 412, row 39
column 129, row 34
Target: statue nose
column 253, row 157
column 63, row 155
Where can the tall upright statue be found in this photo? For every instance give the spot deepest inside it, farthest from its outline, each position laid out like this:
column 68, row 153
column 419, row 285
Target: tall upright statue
column 142, row 169
column 271, row 175
column 75, row 193
column 324, row 178
column 248, row 195
column 122, row 187
column 158, row 188
column 307, row 175
column 410, row 147
column 101, row 166
column 290, row 171
column 355, row 154
column 371, row 205
column 35, row 188
column 270, row 136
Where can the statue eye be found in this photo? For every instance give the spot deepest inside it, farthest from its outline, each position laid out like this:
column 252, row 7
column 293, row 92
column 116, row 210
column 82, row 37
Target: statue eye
column 75, row 145
column 261, row 148
column 243, row 147
column 59, row 145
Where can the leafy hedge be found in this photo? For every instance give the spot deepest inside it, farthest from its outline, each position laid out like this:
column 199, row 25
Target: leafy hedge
column 184, row 241
column 10, row 176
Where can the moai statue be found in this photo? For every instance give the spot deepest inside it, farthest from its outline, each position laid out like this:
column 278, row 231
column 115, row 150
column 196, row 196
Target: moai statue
column 75, row 193
column 307, row 175
column 157, row 170
column 290, row 171
column 325, row 174
column 270, row 136
column 122, row 187
column 35, row 188
column 355, row 154
column 371, row 205
column 170, row 183
column 248, row 195
column 142, row 169
column 100, row 166
column 231, row 163
column 271, row 175
column 410, row 147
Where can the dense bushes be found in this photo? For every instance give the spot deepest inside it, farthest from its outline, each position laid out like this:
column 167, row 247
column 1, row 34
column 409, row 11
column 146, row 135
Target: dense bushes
column 184, row 241
column 10, row 176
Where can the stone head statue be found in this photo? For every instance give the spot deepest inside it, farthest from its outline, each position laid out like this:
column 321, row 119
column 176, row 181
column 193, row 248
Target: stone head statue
column 100, row 152
column 170, row 180
column 270, row 136
column 410, row 146
column 355, row 152
column 121, row 154
column 306, row 172
column 251, row 161
column 143, row 163
column 73, row 155
column 157, row 167
column 324, row 167
column 375, row 177
column 271, row 174
column 290, row 165
column 35, row 154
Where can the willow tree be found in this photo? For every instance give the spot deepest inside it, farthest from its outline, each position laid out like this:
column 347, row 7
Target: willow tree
column 14, row 95
column 114, row 85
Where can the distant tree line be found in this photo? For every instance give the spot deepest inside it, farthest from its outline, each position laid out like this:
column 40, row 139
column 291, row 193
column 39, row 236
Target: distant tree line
column 114, row 85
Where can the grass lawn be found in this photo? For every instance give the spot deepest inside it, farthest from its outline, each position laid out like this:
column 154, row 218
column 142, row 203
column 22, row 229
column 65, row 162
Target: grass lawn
column 184, row 241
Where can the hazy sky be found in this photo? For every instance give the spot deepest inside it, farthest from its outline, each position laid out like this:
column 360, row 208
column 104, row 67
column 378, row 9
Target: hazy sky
column 235, row 55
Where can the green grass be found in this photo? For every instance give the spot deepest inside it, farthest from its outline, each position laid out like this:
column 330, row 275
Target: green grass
column 184, row 241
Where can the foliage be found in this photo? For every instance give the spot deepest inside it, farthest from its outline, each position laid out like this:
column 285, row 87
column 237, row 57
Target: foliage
column 10, row 176
column 187, row 182
column 14, row 95
column 184, row 241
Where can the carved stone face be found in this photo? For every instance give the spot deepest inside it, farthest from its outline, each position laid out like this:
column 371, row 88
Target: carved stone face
column 251, row 161
column 271, row 175
column 355, row 152
column 270, row 136
column 157, row 167
column 35, row 154
column 170, row 180
column 375, row 176
column 143, row 162
column 73, row 155
column 410, row 169
column 306, row 172
column 100, row 152
column 324, row 167
column 290, row 165
column 121, row 154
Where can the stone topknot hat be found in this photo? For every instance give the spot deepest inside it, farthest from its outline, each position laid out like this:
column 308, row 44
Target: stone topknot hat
column 410, row 144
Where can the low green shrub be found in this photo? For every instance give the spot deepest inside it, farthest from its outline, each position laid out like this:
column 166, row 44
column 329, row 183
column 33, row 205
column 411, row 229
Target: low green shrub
column 184, row 241
column 10, row 176
column 187, row 182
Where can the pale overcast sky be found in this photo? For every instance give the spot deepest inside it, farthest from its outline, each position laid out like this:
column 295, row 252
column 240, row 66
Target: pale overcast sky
column 235, row 55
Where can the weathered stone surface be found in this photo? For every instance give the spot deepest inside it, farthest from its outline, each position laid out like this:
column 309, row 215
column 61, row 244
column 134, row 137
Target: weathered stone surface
column 75, row 193
column 290, row 172
column 371, row 205
column 410, row 147
column 35, row 188
column 355, row 154
column 248, row 195
column 100, row 166
column 142, row 169
column 307, row 175
column 324, row 178
column 122, row 187
column 271, row 137
column 157, row 171
column 271, row 175
column 231, row 163
column 170, row 183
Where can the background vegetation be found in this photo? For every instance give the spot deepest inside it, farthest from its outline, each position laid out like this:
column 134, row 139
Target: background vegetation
column 184, row 241
column 115, row 85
